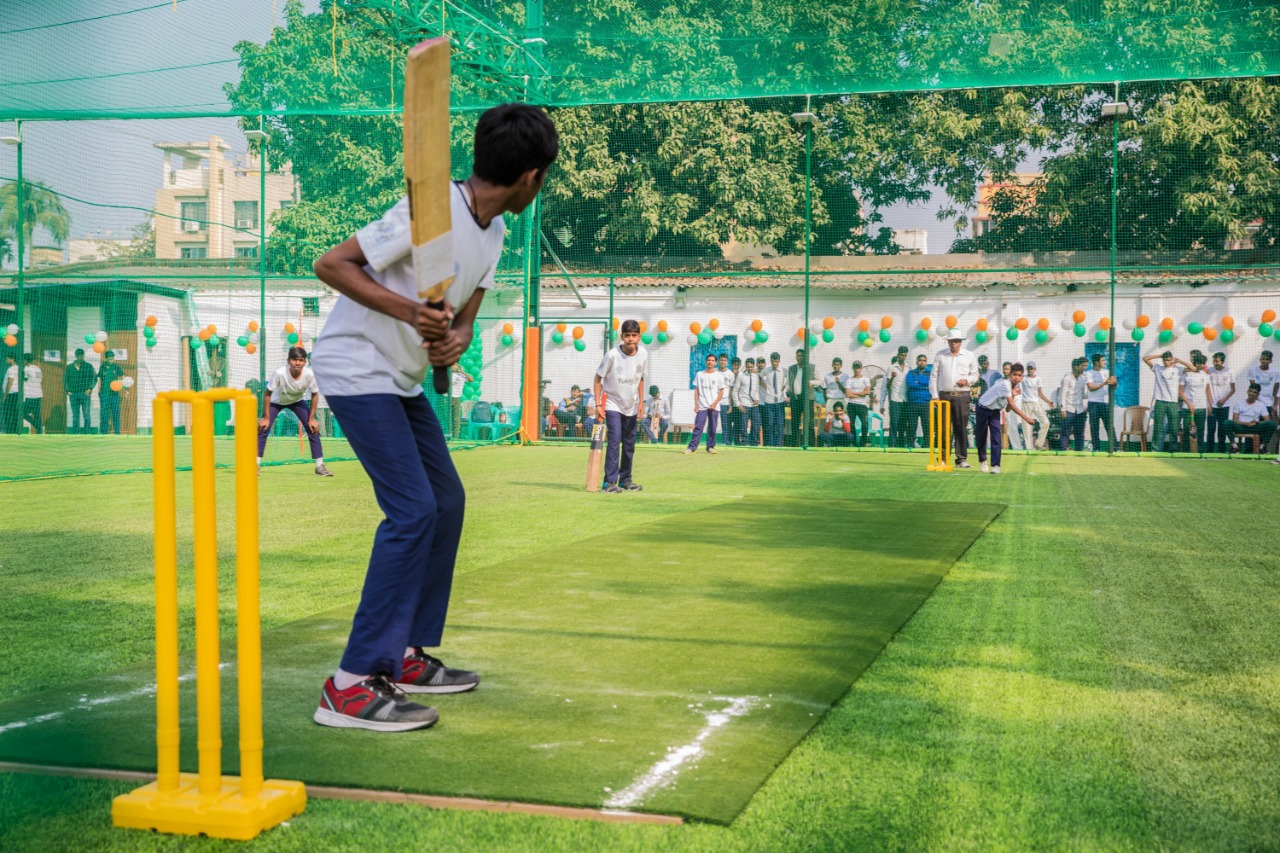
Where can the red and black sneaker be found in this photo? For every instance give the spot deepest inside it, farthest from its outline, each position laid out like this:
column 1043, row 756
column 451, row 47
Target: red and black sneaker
column 375, row 704
column 425, row 674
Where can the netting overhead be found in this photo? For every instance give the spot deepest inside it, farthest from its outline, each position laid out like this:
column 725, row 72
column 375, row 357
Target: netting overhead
column 186, row 57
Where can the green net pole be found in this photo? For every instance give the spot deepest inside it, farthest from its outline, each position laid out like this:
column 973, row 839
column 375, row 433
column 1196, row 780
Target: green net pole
column 24, row 334
column 262, row 265
column 806, row 419
column 1111, row 332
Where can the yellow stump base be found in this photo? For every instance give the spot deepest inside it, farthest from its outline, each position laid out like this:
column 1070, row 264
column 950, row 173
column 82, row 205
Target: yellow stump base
column 227, row 815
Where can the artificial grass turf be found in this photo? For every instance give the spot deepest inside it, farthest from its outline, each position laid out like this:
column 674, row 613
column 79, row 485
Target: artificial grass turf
column 1099, row 671
column 595, row 669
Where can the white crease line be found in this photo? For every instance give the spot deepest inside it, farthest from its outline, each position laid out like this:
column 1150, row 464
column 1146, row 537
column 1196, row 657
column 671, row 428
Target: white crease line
column 86, row 704
column 665, row 771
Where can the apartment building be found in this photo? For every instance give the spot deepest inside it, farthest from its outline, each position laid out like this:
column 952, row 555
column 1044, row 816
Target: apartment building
column 209, row 201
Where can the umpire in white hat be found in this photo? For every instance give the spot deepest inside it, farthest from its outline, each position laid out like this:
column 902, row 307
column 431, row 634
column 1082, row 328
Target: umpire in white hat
column 955, row 370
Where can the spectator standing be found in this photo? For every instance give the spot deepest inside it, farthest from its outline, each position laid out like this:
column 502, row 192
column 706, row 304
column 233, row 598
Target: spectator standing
column 835, row 384
column 658, row 414
column 773, row 400
column 1194, row 393
column 1168, row 384
column 895, row 394
column 727, row 375
column 108, row 397
column 986, row 375
column 798, row 394
column 1071, row 402
column 708, row 390
column 954, row 373
column 79, row 379
column 746, row 392
column 917, row 406
column 458, row 379
column 1222, row 387
column 859, row 394
column 33, row 393
column 1098, row 381
column 1033, row 396
column 12, row 409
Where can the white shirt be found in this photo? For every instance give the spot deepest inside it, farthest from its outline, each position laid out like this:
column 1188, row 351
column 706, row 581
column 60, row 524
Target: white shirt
column 1069, row 394
column 856, row 385
column 1168, row 380
column 1267, row 379
column 1195, row 384
column 620, row 378
column 1246, row 411
column 657, row 407
column 997, row 396
column 11, row 380
column 834, row 385
column 1096, row 377
column 457, row 383
column 706, row 387
column 33, row 383
column 746, row 390
column 1220, row 381
column 1030, row 387
column 362, row 351
column 948, row 369
column 285, row 390
column 726, row 378
column 897, row 381
column 773, row 386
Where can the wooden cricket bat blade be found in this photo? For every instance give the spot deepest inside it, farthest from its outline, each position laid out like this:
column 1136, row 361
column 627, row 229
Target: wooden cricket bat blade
column 599, row 434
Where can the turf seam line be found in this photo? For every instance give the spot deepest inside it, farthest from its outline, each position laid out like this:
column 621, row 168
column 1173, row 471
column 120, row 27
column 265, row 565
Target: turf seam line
column 367, row 795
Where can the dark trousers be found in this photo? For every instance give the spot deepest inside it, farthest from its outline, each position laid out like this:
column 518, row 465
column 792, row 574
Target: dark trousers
column 455, row 418
column 774, row 415
column 399, row 442
column 986, row 427
column 1072, row 430
column 109, row 413
column 917, row 417
column 835, row 438
column 1192, row 423
column 302, row 411
column 81, row 404
column 960, row 402
column 1164, row 419
column 726, row 424
column 32, row 414
column 860, row 415
column 1100, row 417
column 1218, row 437
column 898, row 425
column 1264, row 430
column 750, row 425
column 622, row 447
column 797, row 423
column 705, row 420
column 11, row 416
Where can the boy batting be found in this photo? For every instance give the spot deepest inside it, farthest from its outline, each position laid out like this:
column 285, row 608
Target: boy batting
column 370, row 362
column 620, row 377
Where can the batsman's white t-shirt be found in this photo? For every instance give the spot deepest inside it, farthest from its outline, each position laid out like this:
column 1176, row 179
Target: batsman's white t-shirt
column 285, row 390
column 620, row 377
column 362, row 351
column 706, row 386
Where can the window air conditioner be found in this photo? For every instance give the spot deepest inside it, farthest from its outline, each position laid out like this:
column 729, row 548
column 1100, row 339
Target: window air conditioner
column 246, row 223
column 191, row 226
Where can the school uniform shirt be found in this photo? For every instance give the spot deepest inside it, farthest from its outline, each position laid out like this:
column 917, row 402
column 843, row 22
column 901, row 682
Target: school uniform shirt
column 33, row 383
column 857, row 385
column 1030, row 388
column 1220, row 382
column 1168, row 380
column 1249, row 412
column 620, row 376
column 457, row 383
column 362, row 351
column 706, row 386
column 657, row 407
column 726, row 377
column 773, row 386
column 1096, row 377
column 997, row 396
column 285, row 390
column 949, row 369
column 11, row 380
column 1195, row 384
column 897, row 381
column 990, row 377
column 746, row 390
column 834, row 385
column 1267, row 379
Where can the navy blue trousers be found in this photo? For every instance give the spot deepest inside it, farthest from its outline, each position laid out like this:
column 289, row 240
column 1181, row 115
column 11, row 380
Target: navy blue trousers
column 406, row 588
column 986, row 429
column 622, row 443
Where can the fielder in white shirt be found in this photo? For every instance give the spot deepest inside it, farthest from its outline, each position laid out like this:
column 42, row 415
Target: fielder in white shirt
column 620, row 378
column 708, row 391
column 1222, row 387
column 289, row 386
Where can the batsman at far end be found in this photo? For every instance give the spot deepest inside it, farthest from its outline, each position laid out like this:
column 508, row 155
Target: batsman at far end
column 619, row 379
column 370, row 362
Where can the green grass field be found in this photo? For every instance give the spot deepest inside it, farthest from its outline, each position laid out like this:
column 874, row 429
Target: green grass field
column 1098, row 670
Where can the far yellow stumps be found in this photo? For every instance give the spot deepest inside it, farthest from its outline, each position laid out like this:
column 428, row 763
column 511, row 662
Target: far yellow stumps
column 939, row 435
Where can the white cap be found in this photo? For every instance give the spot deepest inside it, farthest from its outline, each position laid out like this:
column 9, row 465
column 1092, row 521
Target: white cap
column 1031, row 365
column 955, row 335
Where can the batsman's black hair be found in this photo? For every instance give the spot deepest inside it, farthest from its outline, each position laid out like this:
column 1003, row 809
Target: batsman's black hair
column 511, row 139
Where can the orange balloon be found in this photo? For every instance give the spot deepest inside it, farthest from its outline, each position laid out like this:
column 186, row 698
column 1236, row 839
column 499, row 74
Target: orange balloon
column 507, row 328
column 982, row 324
column 616, row 323
column 662, row 325
column 1043, row 324
column 289, row 329
column 1268, row 316
column 1142, row 322
column 253, row 325
column 644, row 327
column 1104, row 324
column 952, row 322
column 1228, row 322
column 863, row 325
column 1078, row 316
column 251, row 348
column 1210, row 333
column 578, row 332
column 1022, row 324
column 205, row 334
column 10, row 340
column 695, row 327
column 1166, row 324
column 116, row 384
column 99, row 347
column 213, row 330
column 560, row 327
column 801, row 333
column 151, row 320
column 926, row 324
column 713, row 324
column 756, row 325
column 828, row 322
column 886, row 322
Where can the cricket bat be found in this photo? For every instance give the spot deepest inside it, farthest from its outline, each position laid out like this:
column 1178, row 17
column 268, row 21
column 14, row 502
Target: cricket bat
column 426, row 175
column 599, row 434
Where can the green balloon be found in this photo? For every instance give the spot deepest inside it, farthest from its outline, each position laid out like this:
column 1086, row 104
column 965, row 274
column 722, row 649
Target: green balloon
column 195, row 342
column 922, row 335
column 862, row 336
column 813, row 340
column 557, row 337
column 705, row 336
column 762, row 336
column 646, row 338
column 885, row 336
column 1042, row 337
column 828, row 336
column 1166, row 336
column 1011, row 333
column 151, row 342
column 506, row 340
column 243, row 341
column 580, row 345
column 1227, row 336
column 90, row 339
column 1100, row 336
column 982, row 337
column 1195, row 328
column 292, row 339
column 1265, row 330
column 148, row 331
column 1277, row 335
column 663, row 337
column 214, row 340
column 1079, row 330
column 1137, row 334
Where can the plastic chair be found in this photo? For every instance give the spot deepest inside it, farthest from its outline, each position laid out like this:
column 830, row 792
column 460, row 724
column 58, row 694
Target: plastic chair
column 877, row 430
column 1134, row 422
column 480, row 423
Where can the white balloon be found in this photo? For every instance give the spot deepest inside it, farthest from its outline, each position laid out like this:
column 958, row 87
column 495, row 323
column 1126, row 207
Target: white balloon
column 1254, row 321
column 1067, row 324
column 1128, row 324
column 717, row 333
column 942, row 333
column 101, row 337
column 692, row 340
column 253, row 337
column 13, row 328
column 127, row 382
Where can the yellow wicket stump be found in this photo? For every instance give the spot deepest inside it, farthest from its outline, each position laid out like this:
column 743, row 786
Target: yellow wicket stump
column 208, row 803
column 939, row 435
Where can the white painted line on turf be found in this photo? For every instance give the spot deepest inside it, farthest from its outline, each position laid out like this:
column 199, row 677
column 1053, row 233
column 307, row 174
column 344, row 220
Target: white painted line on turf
column 665, row 771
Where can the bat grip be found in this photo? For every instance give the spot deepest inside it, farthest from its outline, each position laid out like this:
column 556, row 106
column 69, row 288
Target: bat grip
column 440, row 375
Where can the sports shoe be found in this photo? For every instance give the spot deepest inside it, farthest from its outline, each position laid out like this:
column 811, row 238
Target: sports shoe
column 995, row 469
column 375, row 704
column 611, row 488
column 1276, row 461
column 323, row 471
column 711, row 450
column 963, row 464
column 983, row 468
column 425, row 674
column 688, row 452
column 635, row 487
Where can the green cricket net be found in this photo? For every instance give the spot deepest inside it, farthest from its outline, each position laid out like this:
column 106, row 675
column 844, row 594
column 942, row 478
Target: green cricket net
column 742, row 178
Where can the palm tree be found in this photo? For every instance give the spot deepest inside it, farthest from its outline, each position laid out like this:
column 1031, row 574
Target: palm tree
column 42, row 208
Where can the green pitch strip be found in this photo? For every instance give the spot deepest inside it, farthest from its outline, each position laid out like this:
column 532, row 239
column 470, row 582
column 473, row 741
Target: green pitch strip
column 668, row 667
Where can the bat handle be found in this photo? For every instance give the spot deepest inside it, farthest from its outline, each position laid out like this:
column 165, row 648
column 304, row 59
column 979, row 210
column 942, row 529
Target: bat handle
column 440, row 375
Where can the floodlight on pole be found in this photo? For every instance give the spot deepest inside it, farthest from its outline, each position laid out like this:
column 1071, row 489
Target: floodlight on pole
column 1114, row 109
column 258, row 136
column 806, row 118
column 11, row 140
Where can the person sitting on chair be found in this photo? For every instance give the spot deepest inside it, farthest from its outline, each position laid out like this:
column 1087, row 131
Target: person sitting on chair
column 838, row 431
column 1252, row 416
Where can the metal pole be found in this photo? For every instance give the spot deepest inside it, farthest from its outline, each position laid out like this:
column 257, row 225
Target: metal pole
column 1111, row 332
column 806, row 420
column 262, row 265
column 22, row 323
